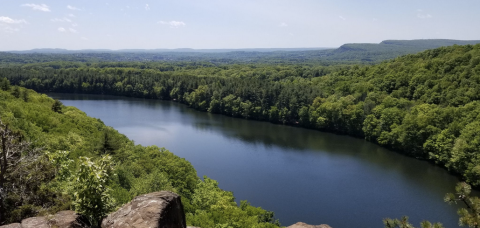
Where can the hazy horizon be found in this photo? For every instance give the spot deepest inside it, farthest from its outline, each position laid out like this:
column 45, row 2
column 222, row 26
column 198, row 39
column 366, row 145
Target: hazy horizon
column 228, row 24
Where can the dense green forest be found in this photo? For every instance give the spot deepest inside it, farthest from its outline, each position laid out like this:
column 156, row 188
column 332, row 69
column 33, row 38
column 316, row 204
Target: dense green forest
column 346, row 54
column 56, row 157
column 425, row 105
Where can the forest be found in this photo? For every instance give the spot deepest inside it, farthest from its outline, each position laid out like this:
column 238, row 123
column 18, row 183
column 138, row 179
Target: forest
column 424, row 105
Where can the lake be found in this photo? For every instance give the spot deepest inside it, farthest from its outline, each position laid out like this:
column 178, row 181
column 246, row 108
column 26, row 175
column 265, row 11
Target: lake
column 300, row 174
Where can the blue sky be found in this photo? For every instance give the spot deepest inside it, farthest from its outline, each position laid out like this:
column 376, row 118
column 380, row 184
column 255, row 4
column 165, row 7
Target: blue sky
column 206, row 24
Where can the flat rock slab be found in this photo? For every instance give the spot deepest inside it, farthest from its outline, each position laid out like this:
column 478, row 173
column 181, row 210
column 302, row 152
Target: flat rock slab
column 63, row 219
column 68, row 219
column 304, row 225
column 35, row 222
column 154, row 210
column 13, row 225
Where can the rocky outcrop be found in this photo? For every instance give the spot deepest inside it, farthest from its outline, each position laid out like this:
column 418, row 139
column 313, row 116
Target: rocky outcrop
column 304, row 225
column 63, row 219
column 38, row 222
column 68, row 219
column 155, row 210
column 13, row 225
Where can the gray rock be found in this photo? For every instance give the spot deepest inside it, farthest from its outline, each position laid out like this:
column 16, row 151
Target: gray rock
column 13, row 225
column 154, row 210
column 304, row 225
column 35, row 222
column 63, row 219
column 68, row 219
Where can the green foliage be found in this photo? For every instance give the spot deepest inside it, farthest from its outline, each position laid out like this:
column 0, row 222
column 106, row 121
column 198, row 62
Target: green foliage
column 4, row 84
column 403, row 223
column 57, row 106
column 90, row 188
column 16, row 91
column 425, row 105
column 153, row 182
column 217, row 208
column 470, row 214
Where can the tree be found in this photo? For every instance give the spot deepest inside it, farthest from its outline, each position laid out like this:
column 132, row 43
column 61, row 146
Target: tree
column 14, row 153
column 91, row 191
column 16, row 92
column 403, row 223
column 4, row 84
column 469, row 216
column 24, row 95
column 57, row 106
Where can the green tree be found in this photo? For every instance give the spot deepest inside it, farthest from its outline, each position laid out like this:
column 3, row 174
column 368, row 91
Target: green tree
column 4, row 84
column 16, row 159
column 24, row 95
column 403, row 223
column 57, row 106
column 90, row 189
column 469, row 216
column 16, row 92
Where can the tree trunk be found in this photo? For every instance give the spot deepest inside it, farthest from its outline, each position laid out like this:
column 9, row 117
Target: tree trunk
column 3, row 169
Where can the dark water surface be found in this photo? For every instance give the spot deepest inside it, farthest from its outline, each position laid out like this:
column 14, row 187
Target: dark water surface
column 301, row 175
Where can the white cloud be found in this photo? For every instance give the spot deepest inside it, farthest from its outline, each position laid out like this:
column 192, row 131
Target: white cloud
column 73, row 8
column 84, row 38
column 71, row 30
column 147, row 7
column 173, row 24
column 343, row 18
column 41, row 7
column 71, row 15
column 74, row 25
column 8, row 20
column 8, row 29
column 283, row 24
column 61, row 20
column 422, row 15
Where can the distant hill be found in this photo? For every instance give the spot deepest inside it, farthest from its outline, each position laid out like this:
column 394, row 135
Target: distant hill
column 389, row 49
column 176, row 50
column 366, row 53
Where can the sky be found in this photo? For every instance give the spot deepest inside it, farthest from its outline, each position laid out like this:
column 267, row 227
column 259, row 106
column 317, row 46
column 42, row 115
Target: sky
column 217, row 24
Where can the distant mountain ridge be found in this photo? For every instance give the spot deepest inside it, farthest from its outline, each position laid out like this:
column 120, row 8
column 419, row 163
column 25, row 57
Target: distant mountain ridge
column 389, row 49
column 352, row 53
column 180, row 50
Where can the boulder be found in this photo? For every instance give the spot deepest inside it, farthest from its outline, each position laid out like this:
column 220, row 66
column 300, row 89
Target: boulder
column 35, row 222
column 154, row 210
column 63, row 219
column 304, row 225
column 68, row 219
column 13, row 225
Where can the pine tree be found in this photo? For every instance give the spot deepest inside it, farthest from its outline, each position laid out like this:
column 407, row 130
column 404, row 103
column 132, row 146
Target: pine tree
column 57, row 106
